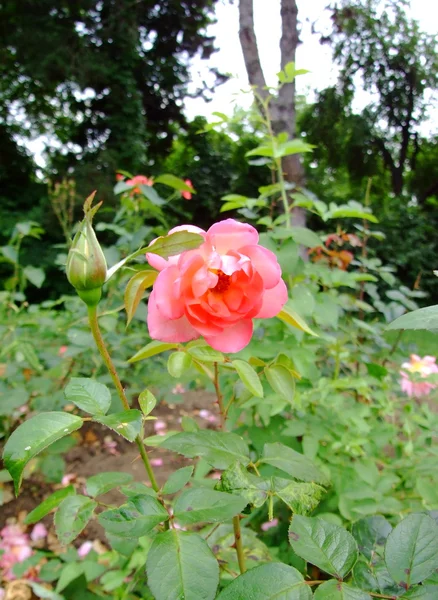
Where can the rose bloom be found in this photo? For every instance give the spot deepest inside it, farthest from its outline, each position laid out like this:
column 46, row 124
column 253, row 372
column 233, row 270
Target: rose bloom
column 187, row 195
column 422, row 367
column 216, row 290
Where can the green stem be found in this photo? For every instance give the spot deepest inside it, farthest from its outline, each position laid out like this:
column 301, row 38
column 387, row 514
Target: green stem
column 219, row 396
column 95, row 330
column 238, row 544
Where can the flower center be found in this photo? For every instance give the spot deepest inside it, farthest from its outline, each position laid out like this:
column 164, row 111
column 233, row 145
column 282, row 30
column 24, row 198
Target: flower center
column 223, row 282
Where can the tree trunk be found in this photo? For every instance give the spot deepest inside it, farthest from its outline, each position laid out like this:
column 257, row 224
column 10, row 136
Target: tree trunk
column 283, row 107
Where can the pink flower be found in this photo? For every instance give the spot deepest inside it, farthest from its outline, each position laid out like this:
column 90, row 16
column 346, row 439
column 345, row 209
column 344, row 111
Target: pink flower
column 110, row 445
column 208, row 416
column 418, row 368
column 62, row 350
column 67, row 479
column 178, row 389
column 187, row 195
column 119, row 177
column 16, row 548
column 216, row 290
column 157, row 462
column 139, row 180
column 84, row 549
column 39, row 532
column 269, row 524
column 160, row 427
column 2, row 593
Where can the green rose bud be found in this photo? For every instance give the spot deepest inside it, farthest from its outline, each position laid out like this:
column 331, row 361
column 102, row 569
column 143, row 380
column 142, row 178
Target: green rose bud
column 86, row 264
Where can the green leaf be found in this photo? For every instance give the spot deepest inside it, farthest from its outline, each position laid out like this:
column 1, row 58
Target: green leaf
column 151, row 194
column 219, row 449
column 180, row 565
column 301, row 498
column 370, row 533
column 237, row 480
column 33, row 436
column 305, row 237
column 281, row 381
column 104, row 482
column 147, row 402
column 423, row 318
column 338, row 590
column 178, row 363
column 177, row 480
column 69, row 573
column 289, row 316
column 134, row 518
column 268, row 582
column 88, row 395
column 203, row 505
column 48, row 504
column 135, row 289
column 423, row 592
column 263, row 150
column 331, row 548
column 152, row 349
column 295, row 464
column 352, row 213
column 175, row 243
column 42, row 592
column 206, row 354
column 411, row 550
column 128, row 423
column 35, row 275
column 249, row 377
column 72, row 517
column 174, row 182
column 295, row 146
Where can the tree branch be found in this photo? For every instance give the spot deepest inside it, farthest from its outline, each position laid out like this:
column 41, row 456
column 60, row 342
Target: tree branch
column 250, row 50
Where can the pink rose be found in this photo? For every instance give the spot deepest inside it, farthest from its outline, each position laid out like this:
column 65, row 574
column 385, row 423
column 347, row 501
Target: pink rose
column 39, row 532
column 420, row 368
column 216, row 290
column 187, row 195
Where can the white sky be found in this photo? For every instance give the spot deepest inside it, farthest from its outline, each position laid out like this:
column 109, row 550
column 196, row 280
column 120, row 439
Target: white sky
column 311, row 55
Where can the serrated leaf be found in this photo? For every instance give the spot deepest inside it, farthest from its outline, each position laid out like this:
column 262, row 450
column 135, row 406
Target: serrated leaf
column 423, row 318
column 128, row 423
column 89, row 395
column 305, row 237
column 268, row 582
column 203, row 505
column 301, row 498
column 281, row 381
column 289, row 316
column 219, row 449
column 411, row 549
column 135, row 518
column 370, row 533
column 180, row 565
column 104, row 482
column 178, row 363
column 295, row 464
column 338, row 590
column 206, row 354
column 175, row 243
column 147, row 402
column 249, row 377
column 33, row 436
column 152, row 349
column 135, row 289
column 48, row 504
column 177, row 480
column 423, row 592
column 72, row 516
column 329, row 547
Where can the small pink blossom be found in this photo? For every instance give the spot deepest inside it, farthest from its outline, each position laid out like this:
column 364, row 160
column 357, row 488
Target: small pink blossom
column 160, row 427
column 417, row 368
column 84, row 549
column 39, row 532
column 16, row 548
column 216, row 290
column 208, row 416
column 139, row 180
column 157, row 462
column 110, row 445
column 269, row 524
column 68, row 478
column 119, row 177
column 187, row 195
column 62, row 350
column 178, row 389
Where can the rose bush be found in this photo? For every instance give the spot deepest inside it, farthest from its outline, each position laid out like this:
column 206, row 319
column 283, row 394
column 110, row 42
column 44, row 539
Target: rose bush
column 216, row 290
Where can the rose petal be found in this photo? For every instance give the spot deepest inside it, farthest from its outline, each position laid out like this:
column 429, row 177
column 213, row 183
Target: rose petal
column 233, row 338
column 265, row 263
column 168, row 305
column 231, row 235
column 273, row 301
column 168, row 330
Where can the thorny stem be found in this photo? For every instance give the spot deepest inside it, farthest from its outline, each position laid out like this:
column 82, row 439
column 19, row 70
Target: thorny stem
column 219, row 396
column 238, row 544
column 95, row 330
column 236, row 520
